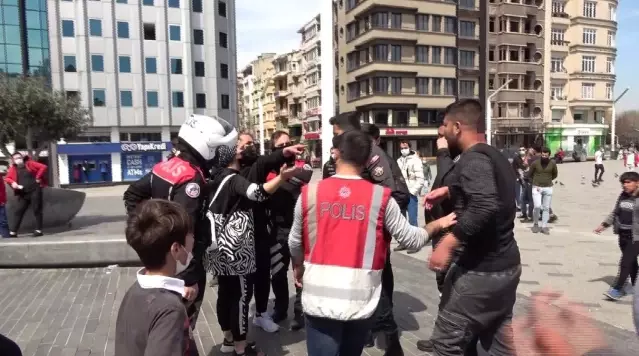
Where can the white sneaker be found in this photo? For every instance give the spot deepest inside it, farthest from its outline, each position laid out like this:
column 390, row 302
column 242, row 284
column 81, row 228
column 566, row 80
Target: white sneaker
column 265, row 322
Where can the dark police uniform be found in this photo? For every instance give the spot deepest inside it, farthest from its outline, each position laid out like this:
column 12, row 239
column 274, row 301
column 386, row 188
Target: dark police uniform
column 182, row 182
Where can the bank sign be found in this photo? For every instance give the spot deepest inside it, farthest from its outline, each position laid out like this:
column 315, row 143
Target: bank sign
column 143, row 147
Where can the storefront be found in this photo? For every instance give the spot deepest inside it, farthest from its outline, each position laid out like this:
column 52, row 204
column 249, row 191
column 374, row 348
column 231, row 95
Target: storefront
column 82, row 163
column 421, row 139
column 590, row 136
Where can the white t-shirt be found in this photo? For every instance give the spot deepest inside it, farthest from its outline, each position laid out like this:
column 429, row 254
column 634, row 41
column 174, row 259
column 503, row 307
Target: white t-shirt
column 598, row 157
column 630, row 159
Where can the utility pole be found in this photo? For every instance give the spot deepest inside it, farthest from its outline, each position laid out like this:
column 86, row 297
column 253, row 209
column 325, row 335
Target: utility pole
column 613, row 122
column 489, row 112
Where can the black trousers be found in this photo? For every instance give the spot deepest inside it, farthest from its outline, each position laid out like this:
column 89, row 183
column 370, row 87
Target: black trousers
column 234, row 295
column 599, row 171
column 193, row 311
column 26, row 199
column 384, row 319
column 8, row 347
column 262, row 276
column 628, row 265
column 527, row 200
column 476, row 306
column 280, row 258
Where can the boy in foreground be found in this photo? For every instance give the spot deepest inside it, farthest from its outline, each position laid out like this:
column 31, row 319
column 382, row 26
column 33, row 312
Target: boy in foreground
column 152, row 319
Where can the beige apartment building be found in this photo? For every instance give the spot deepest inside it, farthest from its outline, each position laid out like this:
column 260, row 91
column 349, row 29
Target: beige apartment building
column 257, row 80
column 311, row 76
column 581, row 72
column 289, row 93
column 401, row 62
column 242, row 114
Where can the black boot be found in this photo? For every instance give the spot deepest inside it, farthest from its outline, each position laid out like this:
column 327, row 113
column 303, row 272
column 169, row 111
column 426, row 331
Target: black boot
column 393, row 347
column 298, row 322
column 370, row 342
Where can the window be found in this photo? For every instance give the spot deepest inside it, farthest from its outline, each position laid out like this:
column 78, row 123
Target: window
column 557, row 36
column 449, row 56
column 421, row 22
column 69, row 64
column 610, row 65
column 437, row 23
column 199, row 69
column 612, row 12
column 174, row 33
column 467, row 88
column 449, row 86
column 380, row 53
column 151, row 64
column 467, row 29
column 123, row 29
column 450, row 24
column 587, row 90
column 421, row 84
column 95, row 27
column 437, row 86
column 122, row 1
column 588, row 64
column 99, row 97
column 396, row 20
column 221, row 8
column 421, row 54
column 178, row 99
column 437, row 55
column 200, row 101
column 590, row 9
column 198, row 37
column 224, row 70
column 149, row 31
column 380, row 85
column 379, row 20
column 174, row 4
column 467, row 4
column 558, row 7
column 589, row 36
column 611, row 39
column 152, row 99
column 396, row 85
column 124, row 63
column 97, row 63
column 176, row 65
column 226, row 101
column 196, row 5
column 466, row 59
column 609, row 89
column 148, row 2
column 556, row 65
column 557, row 93
column 396, row 53
column 126, row 98
column 224, row 40
column 68, row 28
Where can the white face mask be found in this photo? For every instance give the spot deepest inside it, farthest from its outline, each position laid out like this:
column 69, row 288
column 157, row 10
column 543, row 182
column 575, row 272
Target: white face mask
column 405, row 151
column 333, row 156
column 18, row 161
column 179, row 267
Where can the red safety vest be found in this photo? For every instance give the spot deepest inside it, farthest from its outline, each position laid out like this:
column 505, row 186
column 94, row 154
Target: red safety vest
column 345, row 247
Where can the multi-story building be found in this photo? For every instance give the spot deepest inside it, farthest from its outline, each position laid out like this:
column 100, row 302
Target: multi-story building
column 311, row 53
column 247, row 99
column 141, row 67
column 263, row 93
column 516, row 61
column 242, row 118
column 581, row 72
column 288, row 93
column 402, row 62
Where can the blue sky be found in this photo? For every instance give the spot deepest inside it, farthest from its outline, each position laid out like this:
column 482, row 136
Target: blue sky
column 271, row 26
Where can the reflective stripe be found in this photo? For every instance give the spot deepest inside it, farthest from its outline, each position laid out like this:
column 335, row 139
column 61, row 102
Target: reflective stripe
column 275, row 248
column 275, row 269
column 360, row 295
column 371, row 231
column 274, row 259
column 311, row 217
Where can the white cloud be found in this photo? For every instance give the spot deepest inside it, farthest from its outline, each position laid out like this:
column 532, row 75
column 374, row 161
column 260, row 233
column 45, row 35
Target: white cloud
column 270, row 26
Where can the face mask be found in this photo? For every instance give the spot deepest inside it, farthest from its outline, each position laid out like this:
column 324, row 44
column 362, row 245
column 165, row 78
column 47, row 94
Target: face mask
column 179, row 267
column 405, row 151
column 18, row 161
column 545, row 159
column 333, row 156
column 249, row 156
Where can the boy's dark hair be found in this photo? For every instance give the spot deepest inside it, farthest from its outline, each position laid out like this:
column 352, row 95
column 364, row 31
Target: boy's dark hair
column 355, row 147
column 467, row 111
column 629, row 176
column 347, row 121
column 371, row 129
column 154, row 226
column 545, row 150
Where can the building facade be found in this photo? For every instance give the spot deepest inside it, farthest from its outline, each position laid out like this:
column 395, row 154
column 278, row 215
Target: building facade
column 582, row 72
column 289, row 92
column 141, row 67
column 249, row 121
column 401, row 63
column 516, row 62
column 311, row 71
column 263, row 90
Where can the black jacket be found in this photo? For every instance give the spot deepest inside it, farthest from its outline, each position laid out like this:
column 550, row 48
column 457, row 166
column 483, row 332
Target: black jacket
column 329, row 169
column 444, row 165
column 183, row 182
column 282, row 202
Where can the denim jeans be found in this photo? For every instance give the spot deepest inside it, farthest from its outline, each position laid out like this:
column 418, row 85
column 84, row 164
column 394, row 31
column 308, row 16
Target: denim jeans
column 326, row 337
column 476, row 306
column 635, row 307
column 542, row 196
column 413, row 205
column 4, row 224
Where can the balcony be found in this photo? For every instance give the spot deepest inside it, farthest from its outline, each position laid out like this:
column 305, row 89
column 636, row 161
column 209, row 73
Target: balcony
column 516, row 10
column 509, row 38
column 311, row 88
column 466, row 11
column 296, row 93
column 561, row 18
column 281, row 93
column 596, row 76
column 560, row 75
column 281, row 113
column 593, row 48
column 281, row 74
column 406, row 35
column 294, row 121
column 558, row 101
column 590, row 103
column 595, row 22
column 559, row 45
column 312, row 64
column 407, row 98
column 517, row 124
column 419, row 69
column 520, row 95
column 312, row 113
column 468, row 40
column 517, row 67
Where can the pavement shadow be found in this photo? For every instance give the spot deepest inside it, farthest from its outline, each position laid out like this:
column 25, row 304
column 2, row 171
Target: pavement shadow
column 86, row 221
column 609, row 280
column 404, row 306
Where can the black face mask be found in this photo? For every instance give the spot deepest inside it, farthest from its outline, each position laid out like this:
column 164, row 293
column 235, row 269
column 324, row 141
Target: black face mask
column 545, row 160
column 249, row 156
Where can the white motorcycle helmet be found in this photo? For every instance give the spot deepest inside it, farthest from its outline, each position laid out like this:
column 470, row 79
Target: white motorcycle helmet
column 205, row 133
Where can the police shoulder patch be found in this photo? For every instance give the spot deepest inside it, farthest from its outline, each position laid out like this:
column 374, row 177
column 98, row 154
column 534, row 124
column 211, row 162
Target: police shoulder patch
column 378, row 171
column 374, row 159
column 192, row 190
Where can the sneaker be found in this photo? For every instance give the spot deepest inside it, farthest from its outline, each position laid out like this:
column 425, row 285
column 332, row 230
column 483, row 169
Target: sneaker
column 425, row 345
column 525, row 220
column 229, row 346
column 553, row 218
column 297, row 323
column 37, row 233
column 535, row 229
column 250, row 350
column 278, row 317
column 614, row 294
column 545, row 231
column 265, row 322
column 13, row 235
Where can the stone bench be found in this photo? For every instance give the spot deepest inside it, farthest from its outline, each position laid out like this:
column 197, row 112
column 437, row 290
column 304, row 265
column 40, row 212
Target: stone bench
column 59, row 207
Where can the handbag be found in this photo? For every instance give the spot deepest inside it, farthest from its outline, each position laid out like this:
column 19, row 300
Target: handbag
column 211, row 217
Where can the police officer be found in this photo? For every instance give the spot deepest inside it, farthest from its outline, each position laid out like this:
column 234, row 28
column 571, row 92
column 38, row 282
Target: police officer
column 182, row 179
column 379, row 171
column 329, row 167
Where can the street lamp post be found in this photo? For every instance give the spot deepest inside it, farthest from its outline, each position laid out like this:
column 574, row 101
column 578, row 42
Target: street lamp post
column 489, row 112
column 613, row 122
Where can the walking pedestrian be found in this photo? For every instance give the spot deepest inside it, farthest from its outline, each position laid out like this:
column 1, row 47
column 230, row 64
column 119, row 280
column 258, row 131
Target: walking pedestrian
column 413, row 171
column 4, row 226
column 27, row 178
column 481, row 286
column 542, row 173
column 599, row 167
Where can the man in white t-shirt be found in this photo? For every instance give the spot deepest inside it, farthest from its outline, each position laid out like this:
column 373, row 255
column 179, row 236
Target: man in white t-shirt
column 599, row 167
column 630, row 159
